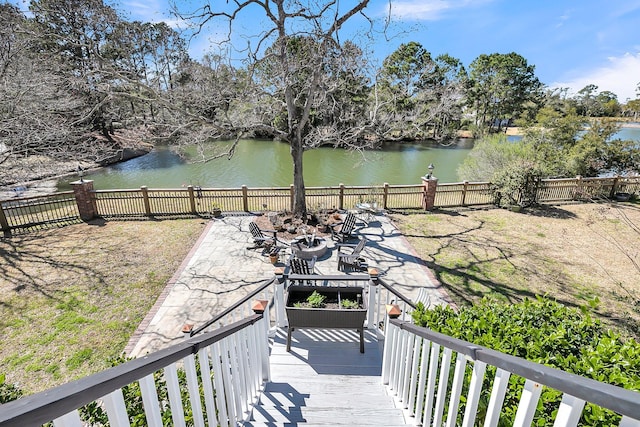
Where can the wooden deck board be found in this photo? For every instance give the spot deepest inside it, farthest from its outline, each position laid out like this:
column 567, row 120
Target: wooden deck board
column 325, row 380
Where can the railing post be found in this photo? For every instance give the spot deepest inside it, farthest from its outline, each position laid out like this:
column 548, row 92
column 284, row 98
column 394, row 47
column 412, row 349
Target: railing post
column 245, row 199
column 385, row 195
column 281, row 316
column 430, row 183
column 341, row 197
column 578, row 192
column 82, row 191
column 372, row 306
column 145, row 199
column 465, row 184
column 192, row 199
column 4, row 224
column 612, row 193
column 291, row 197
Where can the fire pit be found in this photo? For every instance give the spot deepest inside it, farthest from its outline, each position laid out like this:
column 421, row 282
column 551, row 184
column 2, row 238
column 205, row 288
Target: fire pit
column 308, row 246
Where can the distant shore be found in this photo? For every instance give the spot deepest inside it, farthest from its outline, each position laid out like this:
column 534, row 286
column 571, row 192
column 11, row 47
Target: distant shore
column 517, row 131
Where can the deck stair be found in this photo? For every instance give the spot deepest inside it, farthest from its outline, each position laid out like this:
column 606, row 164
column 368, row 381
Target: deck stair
column 325, row 380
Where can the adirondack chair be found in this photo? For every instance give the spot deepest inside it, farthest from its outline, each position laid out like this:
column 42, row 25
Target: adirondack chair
column 343, row 231
column 260, row 239
column 349, row 254
column 302, row 266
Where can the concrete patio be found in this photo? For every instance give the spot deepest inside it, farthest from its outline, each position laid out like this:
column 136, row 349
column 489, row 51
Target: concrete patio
column 220, row 270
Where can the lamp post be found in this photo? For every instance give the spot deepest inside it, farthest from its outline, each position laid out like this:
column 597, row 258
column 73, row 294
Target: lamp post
column 431, row 168
column 430, row 183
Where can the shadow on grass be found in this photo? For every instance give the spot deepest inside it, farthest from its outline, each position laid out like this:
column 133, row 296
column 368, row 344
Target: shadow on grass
column 465, row 259
column 29, row 264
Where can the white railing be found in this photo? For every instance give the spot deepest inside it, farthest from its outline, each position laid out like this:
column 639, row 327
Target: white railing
column 225, row 371
column 417, row 366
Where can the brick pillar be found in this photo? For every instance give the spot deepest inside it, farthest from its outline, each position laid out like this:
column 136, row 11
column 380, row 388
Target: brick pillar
column 429, row 195
column 82, row 190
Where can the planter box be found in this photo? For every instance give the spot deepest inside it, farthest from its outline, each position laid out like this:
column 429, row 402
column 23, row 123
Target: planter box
column 329, row 317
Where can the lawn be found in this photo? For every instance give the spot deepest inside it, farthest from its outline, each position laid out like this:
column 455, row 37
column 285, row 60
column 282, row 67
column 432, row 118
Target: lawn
column 71, row 297
column 583, row 255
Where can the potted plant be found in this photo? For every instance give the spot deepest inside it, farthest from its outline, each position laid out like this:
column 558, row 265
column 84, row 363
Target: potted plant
column 327, row 307
column 273, row 256
column 216, row 211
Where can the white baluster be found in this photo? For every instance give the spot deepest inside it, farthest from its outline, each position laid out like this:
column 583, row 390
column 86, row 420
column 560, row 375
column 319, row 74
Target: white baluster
column 569, row 411
column 150, row 401
column 175, row 399
column 456, row 390
column 498, row 391
column 475, row 390
column 528, row 404
column 194, row 390
column 116, row 409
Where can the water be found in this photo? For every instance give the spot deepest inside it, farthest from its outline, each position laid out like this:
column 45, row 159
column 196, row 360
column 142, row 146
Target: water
column 261, row 163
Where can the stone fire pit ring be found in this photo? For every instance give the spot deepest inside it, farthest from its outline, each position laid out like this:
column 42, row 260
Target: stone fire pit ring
column 300, row 248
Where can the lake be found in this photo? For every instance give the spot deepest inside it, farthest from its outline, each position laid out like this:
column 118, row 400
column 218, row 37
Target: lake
column 261, row 163
column 266, row 163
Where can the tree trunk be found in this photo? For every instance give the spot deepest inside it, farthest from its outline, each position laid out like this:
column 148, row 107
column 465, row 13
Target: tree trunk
column 299, row 202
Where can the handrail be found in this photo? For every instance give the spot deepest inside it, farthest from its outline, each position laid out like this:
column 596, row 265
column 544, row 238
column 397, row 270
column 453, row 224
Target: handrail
column 615, row 398
column 50, row 404
column 259, row 289
column 406, row 300
column 330, row 277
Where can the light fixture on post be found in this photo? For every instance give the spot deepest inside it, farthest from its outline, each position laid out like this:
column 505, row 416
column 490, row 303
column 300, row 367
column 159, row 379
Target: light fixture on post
column 431, row 168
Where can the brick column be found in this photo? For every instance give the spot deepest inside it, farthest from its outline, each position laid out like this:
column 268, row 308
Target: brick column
column 429, row 194
column 82, row 191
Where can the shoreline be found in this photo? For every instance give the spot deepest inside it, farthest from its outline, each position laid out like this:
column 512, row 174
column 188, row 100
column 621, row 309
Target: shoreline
column 30, row 184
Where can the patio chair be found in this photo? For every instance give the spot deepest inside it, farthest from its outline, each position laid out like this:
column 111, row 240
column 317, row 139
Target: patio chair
column 349, row 255
column 299, row 265
column 260, row 240
column 346, row 228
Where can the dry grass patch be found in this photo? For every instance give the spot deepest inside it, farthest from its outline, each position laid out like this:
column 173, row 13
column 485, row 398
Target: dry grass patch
column 581, row 255
column 70, row 298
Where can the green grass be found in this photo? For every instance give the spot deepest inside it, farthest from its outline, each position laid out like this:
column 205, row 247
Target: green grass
column 575, row 254
column 71, row 298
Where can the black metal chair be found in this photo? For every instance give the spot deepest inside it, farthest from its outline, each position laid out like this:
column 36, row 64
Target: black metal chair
column 346, row 230
column 349, row 254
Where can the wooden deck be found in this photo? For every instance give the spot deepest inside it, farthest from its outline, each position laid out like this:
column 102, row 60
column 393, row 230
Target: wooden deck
column 325, row 380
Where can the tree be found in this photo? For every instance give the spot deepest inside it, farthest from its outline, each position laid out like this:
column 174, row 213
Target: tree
column 609, row 105
column 36, row 112
column 597, row 104
column 500, row 87
column 417, row 96
column 300, row 66
column 447, row 85
column 71, row 71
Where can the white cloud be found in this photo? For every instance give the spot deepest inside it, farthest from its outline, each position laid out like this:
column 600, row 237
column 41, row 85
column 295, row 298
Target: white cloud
column 429, row 10
column 621, row 76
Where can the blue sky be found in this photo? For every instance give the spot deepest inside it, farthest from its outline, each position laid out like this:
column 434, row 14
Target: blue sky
column 571, row 43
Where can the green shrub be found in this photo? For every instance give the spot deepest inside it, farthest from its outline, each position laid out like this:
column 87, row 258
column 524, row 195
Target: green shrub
column 546, row 332
column 8, row 392
column 516, row 185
